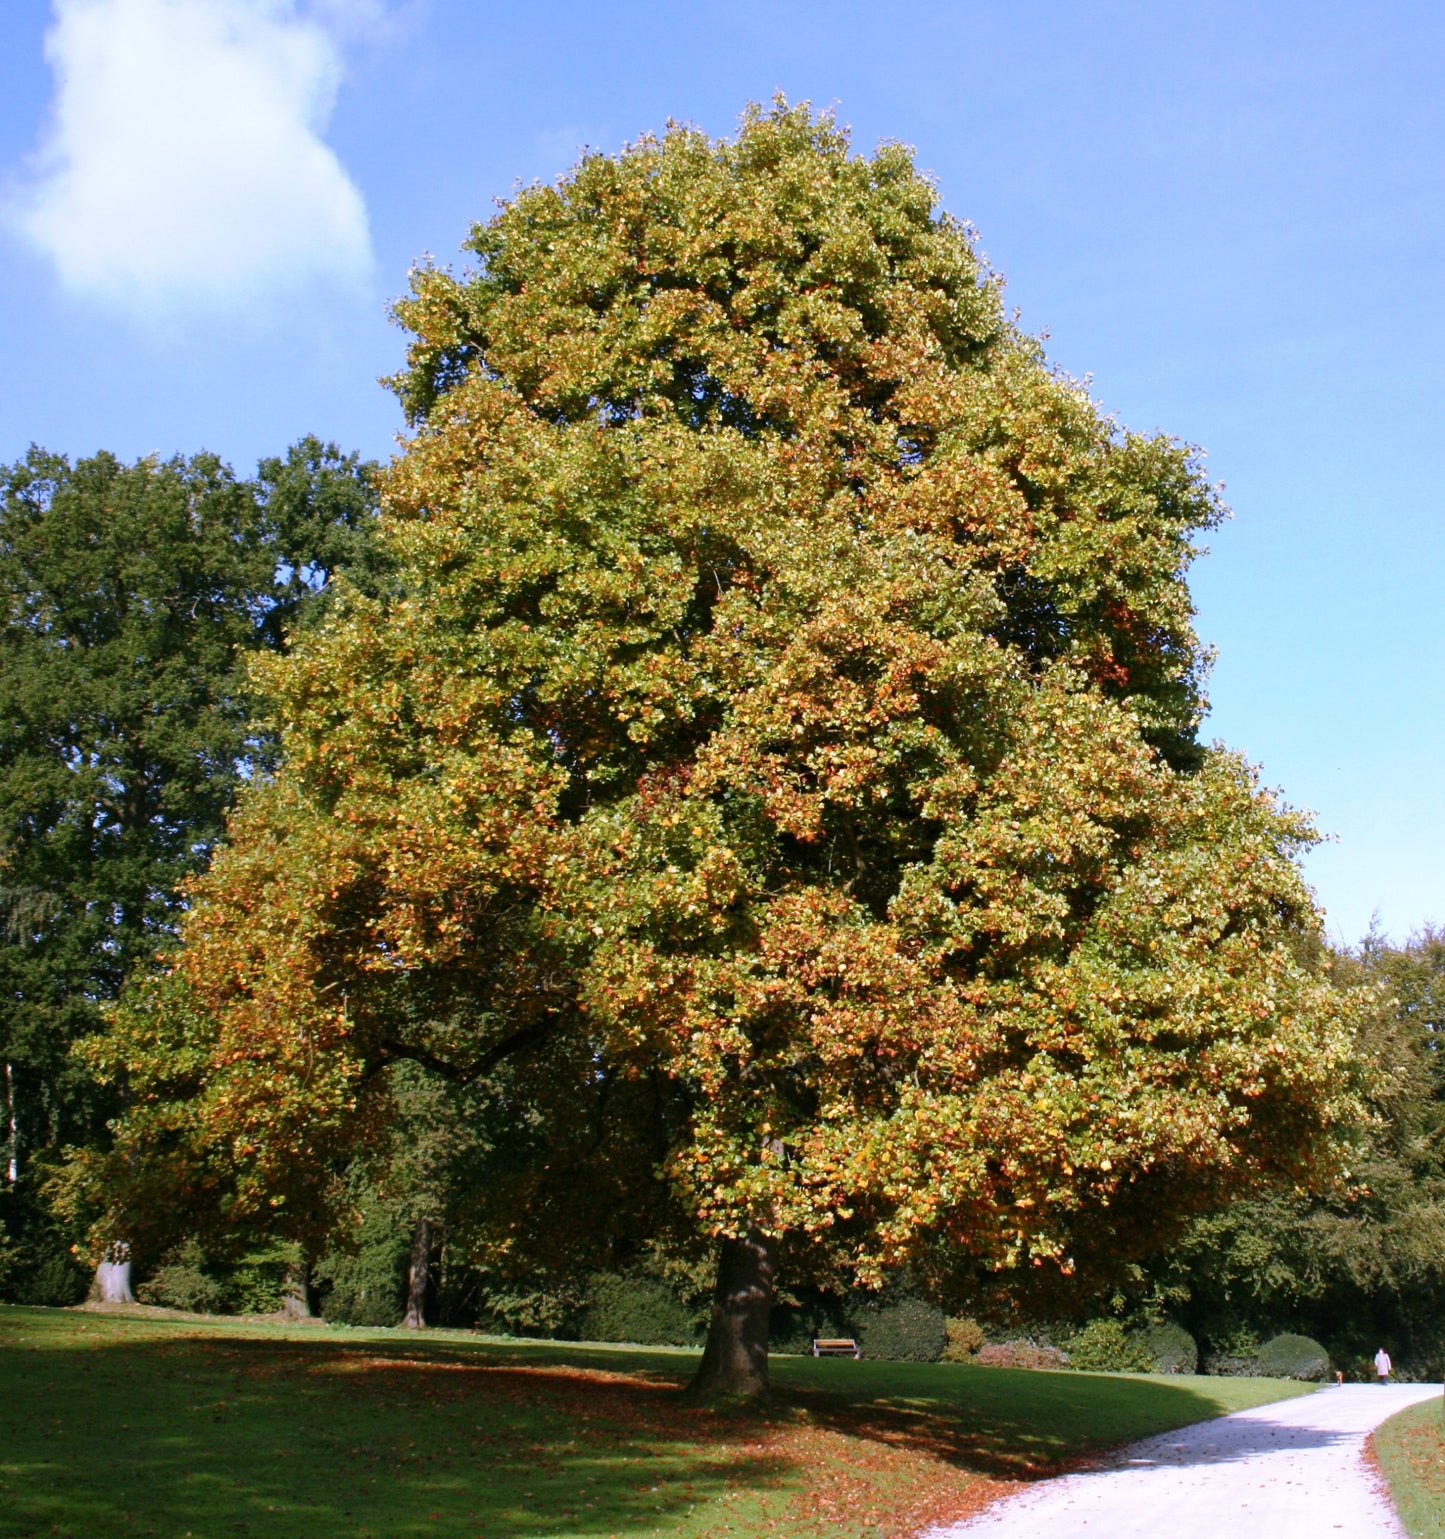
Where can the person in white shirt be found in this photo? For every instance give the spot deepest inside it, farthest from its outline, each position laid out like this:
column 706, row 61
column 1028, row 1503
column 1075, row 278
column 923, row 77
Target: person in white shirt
column 1383, row 1365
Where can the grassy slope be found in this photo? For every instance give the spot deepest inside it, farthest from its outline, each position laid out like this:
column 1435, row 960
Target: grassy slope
column 1411, row 1450
column 116, row 1425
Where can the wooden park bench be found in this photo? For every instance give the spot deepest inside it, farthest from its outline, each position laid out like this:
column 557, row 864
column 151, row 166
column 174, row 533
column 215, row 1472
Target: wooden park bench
column 835, row 1346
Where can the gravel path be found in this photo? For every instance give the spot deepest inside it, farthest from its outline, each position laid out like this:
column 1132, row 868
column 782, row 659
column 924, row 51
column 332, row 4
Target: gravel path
column 1291, row 1470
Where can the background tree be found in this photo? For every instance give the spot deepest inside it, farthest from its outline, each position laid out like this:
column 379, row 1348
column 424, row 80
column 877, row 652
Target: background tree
column 1364, row 1265
column 319, row 507
column 132, row 596
column 778, row 764
column 433, row 1155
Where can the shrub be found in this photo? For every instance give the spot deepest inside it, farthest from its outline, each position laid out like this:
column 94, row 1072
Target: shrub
column 1104, row 1346
column 800, row 1320
column 910, row 1331
column 536, row 1304
column 183, row 1281
column 1171, row 1347
column 1230, row 1365
column 965, row 1337
column 1233, row 1353
column 1293, row 1357
column 365, row 1285
column 257, row 1284
column 44, row 1272
column 627, row 1306
column 9, row 1263
column 1023, row 1353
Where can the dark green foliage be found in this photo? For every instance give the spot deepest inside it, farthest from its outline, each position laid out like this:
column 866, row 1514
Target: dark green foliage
column 363, row 1284
column 909, row 1331
column 537, row 1304
column 255, row 1284
column 1170, row 1347
column 1104, row 1346
column 1233, row 1353
column 36, row 1264
column 1293, row 1357
column 321, row 516
column 1365, row 1265
column 47, row 1274
column 184, row 1281
column 127, row 596
column 130, row 599
column 187, row 1278
column 803, row 1316
column 631, row 1306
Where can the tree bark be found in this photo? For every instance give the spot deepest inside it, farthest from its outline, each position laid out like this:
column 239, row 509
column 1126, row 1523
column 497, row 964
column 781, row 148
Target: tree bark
column 734, row 1363
column 296, row 1293
column 12, row 1123
column 112, row 1278
column 418, row 1276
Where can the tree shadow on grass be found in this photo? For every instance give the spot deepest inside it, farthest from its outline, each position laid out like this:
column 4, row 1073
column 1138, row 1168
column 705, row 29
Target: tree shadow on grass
column 135, row 1430
column 1006, row 1424
column 230, row 1436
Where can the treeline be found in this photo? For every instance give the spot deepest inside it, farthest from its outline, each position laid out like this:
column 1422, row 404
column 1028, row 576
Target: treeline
column 132, row 599
column 1366, row 1267
column 135, row 600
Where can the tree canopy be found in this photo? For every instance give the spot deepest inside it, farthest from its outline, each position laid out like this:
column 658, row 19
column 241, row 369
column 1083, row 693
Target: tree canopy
column 774, row 767
column 130, row 597
column 1364, row 1264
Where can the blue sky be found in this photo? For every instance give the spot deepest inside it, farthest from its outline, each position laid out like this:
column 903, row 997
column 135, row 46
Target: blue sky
column 1229, row 215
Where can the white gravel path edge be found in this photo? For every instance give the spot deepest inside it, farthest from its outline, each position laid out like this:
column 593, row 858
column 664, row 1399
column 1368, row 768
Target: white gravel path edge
column 1293, row 1469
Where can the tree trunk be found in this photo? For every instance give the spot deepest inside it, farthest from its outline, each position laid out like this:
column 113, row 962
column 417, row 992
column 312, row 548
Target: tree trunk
column 296, row 1293
column 112, row 1278
column 13, row 1125
column 735, row 1361
column 418, row 1276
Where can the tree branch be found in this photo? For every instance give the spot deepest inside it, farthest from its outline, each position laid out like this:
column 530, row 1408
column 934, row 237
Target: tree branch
column 526, row 1036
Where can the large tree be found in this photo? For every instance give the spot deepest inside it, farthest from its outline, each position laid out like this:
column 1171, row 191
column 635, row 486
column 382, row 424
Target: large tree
column 132, row 596
column 776, row 772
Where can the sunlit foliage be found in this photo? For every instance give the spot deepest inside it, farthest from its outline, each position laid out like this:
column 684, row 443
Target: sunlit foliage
column 777, row 769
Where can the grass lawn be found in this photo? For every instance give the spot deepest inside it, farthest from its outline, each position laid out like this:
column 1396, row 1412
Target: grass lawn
column 1411, row 1450
column 137, row 1424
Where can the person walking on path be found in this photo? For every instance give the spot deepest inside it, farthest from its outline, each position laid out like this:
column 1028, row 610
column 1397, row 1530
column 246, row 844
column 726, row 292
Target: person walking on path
column 1383, row 1365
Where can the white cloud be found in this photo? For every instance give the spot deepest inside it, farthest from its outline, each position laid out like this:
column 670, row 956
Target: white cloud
column 184, row 162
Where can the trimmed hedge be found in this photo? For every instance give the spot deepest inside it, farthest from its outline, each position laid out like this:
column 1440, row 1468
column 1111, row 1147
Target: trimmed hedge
column 626, row 1306
column 182, row 1281
column 1293, row 1357
column 910, row 1331
column 1104, row 1346
column 1171, row 1347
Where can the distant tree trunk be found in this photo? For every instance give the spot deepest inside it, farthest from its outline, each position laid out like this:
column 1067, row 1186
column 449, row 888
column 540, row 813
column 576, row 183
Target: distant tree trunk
column 112, row 1277
column 418, row 1276
column 12, row 1123
column 296, row 1292
column 735, row 1361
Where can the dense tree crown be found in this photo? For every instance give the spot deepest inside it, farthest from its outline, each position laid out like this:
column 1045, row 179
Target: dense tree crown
column 776, row 771
column 130, row 596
